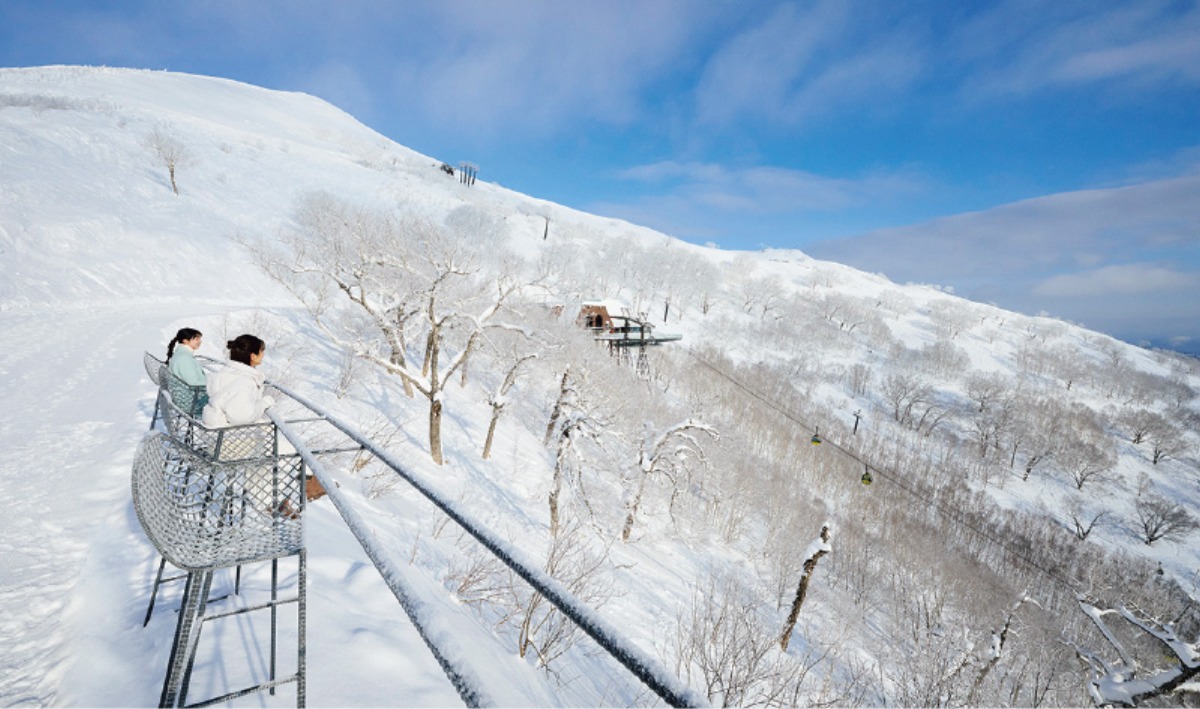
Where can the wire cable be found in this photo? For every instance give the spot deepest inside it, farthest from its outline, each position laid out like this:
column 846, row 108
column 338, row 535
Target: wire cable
column 948, row 513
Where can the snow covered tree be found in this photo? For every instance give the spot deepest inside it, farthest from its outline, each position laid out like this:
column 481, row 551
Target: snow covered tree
column 1160, row 518
column 584, row 419
column 171, row 152
column 905, row 394
column 498, row 399
column 669, row 453
column 1085, row 460
column 1083, row 522
column 402, row 281
column 760, row 295
column 1166, row 440
column 817, row 549
column 722, row 638
column 1126, row 681
column 1137, row 422
column 950, row 316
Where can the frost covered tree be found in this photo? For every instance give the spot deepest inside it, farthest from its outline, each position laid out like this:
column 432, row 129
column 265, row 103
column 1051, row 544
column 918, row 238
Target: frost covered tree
column 1123, row 680
column 671, row 454
column 1040, row 435
column 906, row 394
column 721, row 638
column 584, row 421
column 1083, row 522
column 375, row 284
column 1085, row 460
column 497, row 593
column 516, row 350
column 170, row 151
column 1160, row 518
column 1136, row 422
column 950, row 316
column 1166, row 440
column 760, row 295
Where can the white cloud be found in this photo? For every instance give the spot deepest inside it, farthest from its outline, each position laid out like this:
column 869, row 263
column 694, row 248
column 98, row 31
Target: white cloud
column 533, row 68
column 771, row 190
column 807, row 59
column 1120, row 279
column 1036, row 236
column 1019, row 47
column 1123, row 260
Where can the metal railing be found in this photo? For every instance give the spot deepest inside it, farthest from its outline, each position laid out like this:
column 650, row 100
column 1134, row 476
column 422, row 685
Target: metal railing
column 470, row 687
column 444, row 645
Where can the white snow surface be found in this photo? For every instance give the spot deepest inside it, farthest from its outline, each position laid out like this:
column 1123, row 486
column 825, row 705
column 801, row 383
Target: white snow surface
column 100, row 260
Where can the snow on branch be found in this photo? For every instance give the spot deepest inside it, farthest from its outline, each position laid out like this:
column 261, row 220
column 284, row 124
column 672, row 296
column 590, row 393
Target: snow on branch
column 1123, row 681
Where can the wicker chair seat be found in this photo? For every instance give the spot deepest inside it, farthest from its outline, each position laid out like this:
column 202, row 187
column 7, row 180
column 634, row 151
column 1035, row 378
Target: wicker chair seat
column 201, row 513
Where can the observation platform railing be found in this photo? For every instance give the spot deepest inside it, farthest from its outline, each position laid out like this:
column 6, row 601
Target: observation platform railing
column 450, row 652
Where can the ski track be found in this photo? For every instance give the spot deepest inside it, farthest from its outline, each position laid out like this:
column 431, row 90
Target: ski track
column 56, row 367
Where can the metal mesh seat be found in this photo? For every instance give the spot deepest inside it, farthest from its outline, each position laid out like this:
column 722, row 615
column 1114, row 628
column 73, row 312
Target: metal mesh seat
column 189, row 398
column 226, row 444
column 153, row 367
column 204, row 514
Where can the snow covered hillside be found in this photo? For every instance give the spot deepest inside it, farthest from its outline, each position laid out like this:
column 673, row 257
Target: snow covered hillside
column 1013, row 461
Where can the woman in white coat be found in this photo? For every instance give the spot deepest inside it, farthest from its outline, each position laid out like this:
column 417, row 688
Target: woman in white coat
column 235, row 398
column 235, row 393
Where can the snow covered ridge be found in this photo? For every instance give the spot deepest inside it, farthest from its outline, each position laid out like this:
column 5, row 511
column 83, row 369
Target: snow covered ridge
column 1013, row 457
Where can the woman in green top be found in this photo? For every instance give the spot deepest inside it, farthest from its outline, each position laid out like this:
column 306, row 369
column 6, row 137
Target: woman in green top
column 187, row 383
column 181, row 357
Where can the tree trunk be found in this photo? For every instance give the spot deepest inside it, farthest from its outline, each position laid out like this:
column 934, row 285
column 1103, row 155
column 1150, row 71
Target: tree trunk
column 558, row 404
column 633, row 507
column 491, row 434
column 435, row 430
column 810, row 565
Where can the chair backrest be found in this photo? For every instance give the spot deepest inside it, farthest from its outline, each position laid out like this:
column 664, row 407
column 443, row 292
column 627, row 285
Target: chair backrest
column 190, row 399
column 254, row 441
column 154, row 367
column 204, row 514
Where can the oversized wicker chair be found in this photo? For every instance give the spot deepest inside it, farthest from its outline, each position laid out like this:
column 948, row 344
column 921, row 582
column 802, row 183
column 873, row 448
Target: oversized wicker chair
column 204, row 514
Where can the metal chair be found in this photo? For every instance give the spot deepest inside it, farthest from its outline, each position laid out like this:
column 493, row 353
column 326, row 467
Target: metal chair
column 203, row 514
column 234, row 443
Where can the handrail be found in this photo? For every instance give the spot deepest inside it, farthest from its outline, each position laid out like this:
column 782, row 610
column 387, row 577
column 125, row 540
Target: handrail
column 647, row 669
column 468, row 685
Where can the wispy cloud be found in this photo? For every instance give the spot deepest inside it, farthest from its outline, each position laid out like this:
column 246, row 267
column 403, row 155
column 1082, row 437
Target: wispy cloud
column 1120, row 279
column 1071, row 230
column 529, row 68
column 767, row 190
column 1020, row 47
column 1117, row 258
column 802, row 60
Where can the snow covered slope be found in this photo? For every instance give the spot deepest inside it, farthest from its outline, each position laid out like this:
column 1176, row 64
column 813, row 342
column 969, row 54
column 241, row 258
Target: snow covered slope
column 101, row 259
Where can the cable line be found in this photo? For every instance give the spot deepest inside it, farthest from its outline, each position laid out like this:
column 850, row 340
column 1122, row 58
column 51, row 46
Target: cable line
column 948, row 513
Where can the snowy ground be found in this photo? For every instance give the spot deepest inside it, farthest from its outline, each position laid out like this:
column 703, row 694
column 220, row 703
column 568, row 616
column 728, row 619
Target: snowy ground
column 76, row 567
column 100, row 261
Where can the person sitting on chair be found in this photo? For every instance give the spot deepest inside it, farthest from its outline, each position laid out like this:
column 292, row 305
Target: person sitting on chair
column 181, row 357
column 188, row 378
column 235, row 393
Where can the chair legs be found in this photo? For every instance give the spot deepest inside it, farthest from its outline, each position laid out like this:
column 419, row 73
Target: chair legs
column 192, row 616
column 159, row 580
column 187, row 638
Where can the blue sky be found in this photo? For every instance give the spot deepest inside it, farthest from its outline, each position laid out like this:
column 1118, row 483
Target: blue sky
column 1044, row 156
